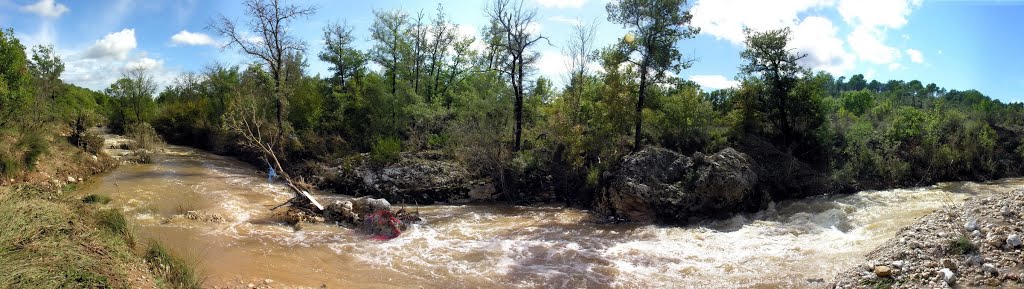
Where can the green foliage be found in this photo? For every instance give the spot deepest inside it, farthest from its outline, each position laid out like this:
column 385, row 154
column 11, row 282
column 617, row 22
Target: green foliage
column 385, row 151
column 96, row 199
column 173, row 272
column 132, row 99
column 962, row 245
column 113, row 220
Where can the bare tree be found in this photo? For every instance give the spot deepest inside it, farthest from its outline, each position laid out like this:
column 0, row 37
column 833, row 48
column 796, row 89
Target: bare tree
column 441, row 40
column 513, row 23
column 579, row 47
column 266, row 36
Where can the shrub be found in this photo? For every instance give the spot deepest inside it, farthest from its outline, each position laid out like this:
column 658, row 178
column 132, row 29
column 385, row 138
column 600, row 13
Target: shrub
column 91, row 142
column 95, row 199
column 8, row 166
column 962, row 245
column 114, row 221
column 385, row 151
column 36, row 145
column 144, row 135
column 173, row 271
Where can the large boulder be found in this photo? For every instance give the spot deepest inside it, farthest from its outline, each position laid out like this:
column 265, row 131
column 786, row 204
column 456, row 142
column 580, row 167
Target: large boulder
column 413, row 179
column 660, row 185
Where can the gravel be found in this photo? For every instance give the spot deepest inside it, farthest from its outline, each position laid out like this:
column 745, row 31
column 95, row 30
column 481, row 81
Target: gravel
column 976, row 244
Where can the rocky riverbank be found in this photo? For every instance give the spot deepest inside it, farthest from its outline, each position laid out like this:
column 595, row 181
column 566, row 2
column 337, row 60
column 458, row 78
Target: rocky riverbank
column 977, row 244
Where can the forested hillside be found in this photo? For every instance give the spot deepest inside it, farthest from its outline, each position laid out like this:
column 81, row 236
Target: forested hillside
column 425, row 89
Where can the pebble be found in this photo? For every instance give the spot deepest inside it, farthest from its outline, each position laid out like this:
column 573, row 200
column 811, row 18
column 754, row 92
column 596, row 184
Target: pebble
column 883, row 271
column 1006, row 211
column 989, row 268
column 976, row 234
column 948, row 276
column 975, row 260
column 1013, row 241
column 898, row 263
column 948, row 263
column 971, row 225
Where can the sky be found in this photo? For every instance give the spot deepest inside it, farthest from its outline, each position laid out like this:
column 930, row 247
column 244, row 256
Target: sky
column 957, row 44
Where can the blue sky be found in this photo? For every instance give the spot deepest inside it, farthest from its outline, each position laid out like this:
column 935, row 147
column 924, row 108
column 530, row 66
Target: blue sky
column 955, row 44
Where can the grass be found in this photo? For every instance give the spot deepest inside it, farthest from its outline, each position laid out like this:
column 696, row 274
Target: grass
column 96, row 199
column 172, row 271
column 51, row 244
column 879, row 283
column 113, row 220
column 962, row 245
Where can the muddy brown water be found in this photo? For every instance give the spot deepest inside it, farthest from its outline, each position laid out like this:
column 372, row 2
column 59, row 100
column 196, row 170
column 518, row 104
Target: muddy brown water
column 792, row 244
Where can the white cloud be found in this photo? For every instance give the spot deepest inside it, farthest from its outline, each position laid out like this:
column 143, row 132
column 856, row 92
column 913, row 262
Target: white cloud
column 192, row 38
column 146, row 63
column 721, row 18
column 552, row 64
column 895, row 66
column 714, row 81
column 560, row 3
column 115, row 45
column 46, row 8
column 877, row 13
column 566, row 20
column 817, row 37
column 915, row 55
column 467, row 31
column 869, row 45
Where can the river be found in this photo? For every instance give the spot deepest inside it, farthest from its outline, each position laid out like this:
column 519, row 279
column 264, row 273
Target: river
column 793, row 244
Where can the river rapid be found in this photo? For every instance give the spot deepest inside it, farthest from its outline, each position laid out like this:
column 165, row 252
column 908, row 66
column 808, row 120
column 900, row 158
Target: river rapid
column 792, row 244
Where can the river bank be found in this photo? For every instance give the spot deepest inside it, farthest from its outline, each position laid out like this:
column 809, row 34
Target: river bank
column 975, row 244
column 52, row 236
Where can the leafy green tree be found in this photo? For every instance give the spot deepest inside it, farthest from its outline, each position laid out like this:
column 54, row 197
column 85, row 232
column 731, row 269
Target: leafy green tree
column 15, row 78
column 346, row 61
column 390, row 48
column 790, row 105
column 132, row 96
column 657, row 26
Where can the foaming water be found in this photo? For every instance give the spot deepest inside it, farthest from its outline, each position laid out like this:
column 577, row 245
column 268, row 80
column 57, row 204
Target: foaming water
column 791, row 244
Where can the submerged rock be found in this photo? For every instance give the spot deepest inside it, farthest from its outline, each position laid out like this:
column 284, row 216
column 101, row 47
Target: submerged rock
column 413, row 179
column 657, row 184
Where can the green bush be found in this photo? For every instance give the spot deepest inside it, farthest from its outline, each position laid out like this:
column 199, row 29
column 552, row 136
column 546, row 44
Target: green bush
column 385, row 151
column 173, row 271
column 962, row 245
column 114, row 221
column 8, row 166
column 95, row 199
column 35, row 146
column 144, row 135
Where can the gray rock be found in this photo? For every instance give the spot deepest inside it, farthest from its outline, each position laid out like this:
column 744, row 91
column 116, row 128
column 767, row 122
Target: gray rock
column 948, row 276
column 990, row 269
column 1006, row 211
column 657, row 184
column 971, row 225
column 1013, row 241
column 419, row 179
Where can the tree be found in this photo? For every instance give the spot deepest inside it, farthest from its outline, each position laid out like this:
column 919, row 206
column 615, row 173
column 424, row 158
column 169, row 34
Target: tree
column 346, row 61
column 133, row 98
column 789, row 104
column 656, row 26
column 46, row 69
column 580, row 50
column 269, row 20
column 15, row 79
column 442, row 38
column 388, row 30
column 512, row 22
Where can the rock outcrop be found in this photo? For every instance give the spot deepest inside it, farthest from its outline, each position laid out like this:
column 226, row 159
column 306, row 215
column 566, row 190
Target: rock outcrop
column 413, row 179
column 659, row 185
